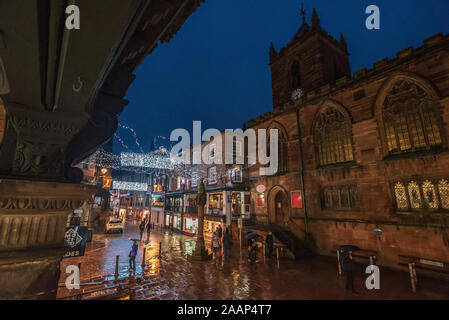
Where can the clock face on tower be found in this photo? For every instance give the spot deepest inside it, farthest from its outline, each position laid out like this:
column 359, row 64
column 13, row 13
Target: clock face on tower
column 296, row 94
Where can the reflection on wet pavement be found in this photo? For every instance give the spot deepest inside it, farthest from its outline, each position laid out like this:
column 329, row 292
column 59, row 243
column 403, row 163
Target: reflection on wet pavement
column 175, row 277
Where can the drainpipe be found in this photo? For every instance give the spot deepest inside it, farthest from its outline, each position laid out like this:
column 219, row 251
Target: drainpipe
column 303, row 187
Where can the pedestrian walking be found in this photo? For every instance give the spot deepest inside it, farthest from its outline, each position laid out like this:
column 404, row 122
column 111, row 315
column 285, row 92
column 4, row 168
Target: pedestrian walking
column 220, row 234
column 269, row 242
column 347, row 265
column 132, row 255
column 148, row 231
column 227, row 243
column 215, row 244
column 141, row 228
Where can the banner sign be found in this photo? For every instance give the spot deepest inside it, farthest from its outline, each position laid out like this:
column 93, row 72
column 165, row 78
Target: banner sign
column 296, row 199
column 75, row 240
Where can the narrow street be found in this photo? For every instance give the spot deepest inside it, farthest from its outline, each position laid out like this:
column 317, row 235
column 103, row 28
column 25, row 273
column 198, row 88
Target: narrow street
column 175, row 277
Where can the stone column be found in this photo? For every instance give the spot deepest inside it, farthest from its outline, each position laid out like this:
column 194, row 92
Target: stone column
column 33, row 218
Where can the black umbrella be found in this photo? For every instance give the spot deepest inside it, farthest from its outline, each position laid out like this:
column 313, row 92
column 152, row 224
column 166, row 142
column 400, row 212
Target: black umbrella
column 349, row 247
column 252, row 235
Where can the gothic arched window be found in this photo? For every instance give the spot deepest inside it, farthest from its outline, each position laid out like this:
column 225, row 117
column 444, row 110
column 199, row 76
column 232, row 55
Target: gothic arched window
column 295, row 76
column 333, row 137
column 410, row 119
column 401, row 196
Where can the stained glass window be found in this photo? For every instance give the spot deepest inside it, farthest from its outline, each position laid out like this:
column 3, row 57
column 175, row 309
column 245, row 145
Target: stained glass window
column 443, row 188
column 401, row 196
column 333, row 136
column 414, row 195
column 430, row 195
column 410, row 119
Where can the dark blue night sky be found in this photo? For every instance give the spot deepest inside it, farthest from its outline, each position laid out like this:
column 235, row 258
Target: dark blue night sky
column 216, row 68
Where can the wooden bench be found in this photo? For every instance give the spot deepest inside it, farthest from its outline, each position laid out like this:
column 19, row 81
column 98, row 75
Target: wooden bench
column 421, row 263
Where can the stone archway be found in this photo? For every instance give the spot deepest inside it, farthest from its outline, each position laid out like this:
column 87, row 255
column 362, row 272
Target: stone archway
column 278, row 206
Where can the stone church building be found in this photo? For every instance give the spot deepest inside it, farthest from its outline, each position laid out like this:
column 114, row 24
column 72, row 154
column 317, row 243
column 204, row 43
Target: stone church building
column 359, row 152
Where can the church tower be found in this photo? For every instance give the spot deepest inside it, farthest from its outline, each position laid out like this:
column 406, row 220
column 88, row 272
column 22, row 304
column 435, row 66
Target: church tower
column 311, row 59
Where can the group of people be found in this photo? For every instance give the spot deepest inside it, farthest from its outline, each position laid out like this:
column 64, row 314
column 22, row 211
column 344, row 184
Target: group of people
column 253, row 245
column 221, row 239
column 145, row 227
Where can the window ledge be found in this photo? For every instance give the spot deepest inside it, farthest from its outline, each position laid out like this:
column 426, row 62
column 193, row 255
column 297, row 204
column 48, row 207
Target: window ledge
column 415, row 154
column 348, row 164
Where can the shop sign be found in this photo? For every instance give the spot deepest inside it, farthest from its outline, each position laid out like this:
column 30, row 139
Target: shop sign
column 261, row 188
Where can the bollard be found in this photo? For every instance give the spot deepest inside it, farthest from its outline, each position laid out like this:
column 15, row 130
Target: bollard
column 160, row 250
column 277, row 257
column 117, row 257
column 411, row 267
column 338, row 261
column 371, row 262
column 144, row 257
column 240, row 238
column 264, row 254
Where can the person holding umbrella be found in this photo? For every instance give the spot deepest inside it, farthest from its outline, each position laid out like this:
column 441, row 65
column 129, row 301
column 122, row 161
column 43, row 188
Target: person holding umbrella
column 252, row 246
column 347, row 265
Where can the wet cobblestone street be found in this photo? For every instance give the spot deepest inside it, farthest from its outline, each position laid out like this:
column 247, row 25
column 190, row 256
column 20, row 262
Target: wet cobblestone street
column 175, row 277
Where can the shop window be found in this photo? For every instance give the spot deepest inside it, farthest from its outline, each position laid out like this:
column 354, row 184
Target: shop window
column 215, row 203
column 410, row 119
column 340, row 197
column 333, row 137
column 212, row 175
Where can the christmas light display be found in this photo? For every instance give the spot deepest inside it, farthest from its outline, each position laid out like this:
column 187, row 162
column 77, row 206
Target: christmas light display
column 129, row 186
column 156, row 160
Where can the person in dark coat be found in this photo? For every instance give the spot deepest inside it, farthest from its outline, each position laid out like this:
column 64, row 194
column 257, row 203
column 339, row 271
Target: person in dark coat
column 226, row 243
column 252, row 249
column 220, row 234
column 148, row 231
column 133, row 255
column 141, row 228
column 347, row 266
column 269, row 242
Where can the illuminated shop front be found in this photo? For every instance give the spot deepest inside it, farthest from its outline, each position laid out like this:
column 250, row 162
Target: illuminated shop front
column 177, row 223
column 190, row 225
column 241, row 202
column 211, row 223
column 157, row 200
column 157, row 209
